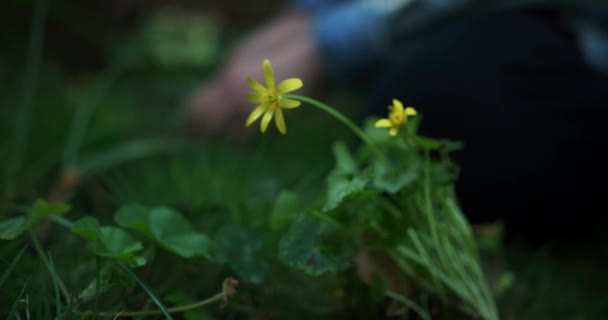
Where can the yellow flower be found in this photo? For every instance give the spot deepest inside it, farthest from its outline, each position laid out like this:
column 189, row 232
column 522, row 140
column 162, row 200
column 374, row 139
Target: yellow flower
column 397, row 116
column 270, row 99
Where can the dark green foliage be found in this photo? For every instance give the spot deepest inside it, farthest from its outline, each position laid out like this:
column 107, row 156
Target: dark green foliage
column 156, row 222
column 40, row 211
column 109, row 242
column 317, row 246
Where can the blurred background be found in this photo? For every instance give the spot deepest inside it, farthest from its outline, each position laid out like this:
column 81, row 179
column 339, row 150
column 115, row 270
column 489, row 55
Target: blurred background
column 105, row 103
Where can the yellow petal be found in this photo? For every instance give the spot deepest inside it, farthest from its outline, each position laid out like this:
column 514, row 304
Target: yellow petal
column 279, row 121
column 268, row 74
column 289, row 85
column 383, row 123
column 393, row 131
column 288, row 103
column 254, row 97
column 255, row 85
column 398, row 105
column 255, row 114
column 410, row 111
column 266, row 120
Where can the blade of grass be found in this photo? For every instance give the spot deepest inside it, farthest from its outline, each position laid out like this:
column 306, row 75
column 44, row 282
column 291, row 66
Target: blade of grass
column 129, row 151
column 10, row 268
column 42, row 256
column 54, row 277
column 97, row 284
column 30, row 80
column 85, row 110
column 16, row 303
column 148, row 291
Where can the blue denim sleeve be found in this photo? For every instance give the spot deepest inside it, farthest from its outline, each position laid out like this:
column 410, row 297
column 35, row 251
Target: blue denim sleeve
column 316, row 5
column 354, row 34
column 591, row 28
column 350, row 35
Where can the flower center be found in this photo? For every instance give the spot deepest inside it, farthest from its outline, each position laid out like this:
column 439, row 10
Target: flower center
column 397, row 118
column 272, row 98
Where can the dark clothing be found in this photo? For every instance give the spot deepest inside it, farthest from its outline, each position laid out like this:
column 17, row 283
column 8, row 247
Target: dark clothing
column 514, row 88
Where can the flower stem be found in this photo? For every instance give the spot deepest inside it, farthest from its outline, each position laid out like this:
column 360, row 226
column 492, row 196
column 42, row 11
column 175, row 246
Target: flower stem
column 336, row 115
column 45, row 261
column 216, row 298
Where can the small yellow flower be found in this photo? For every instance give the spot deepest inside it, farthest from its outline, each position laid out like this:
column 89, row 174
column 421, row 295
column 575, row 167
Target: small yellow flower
column 397, row 116
column 270, row 99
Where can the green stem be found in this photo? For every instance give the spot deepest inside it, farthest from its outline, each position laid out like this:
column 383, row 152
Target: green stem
column 336, row 115
column 430, row 213
column 151, row 294
column 216, row 298
column 42, row 256
column 97, row 284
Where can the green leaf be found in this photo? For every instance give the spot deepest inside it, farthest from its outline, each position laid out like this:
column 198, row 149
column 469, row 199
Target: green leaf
column 38, row 212
column 345, row 162
column 176, row 233
column 108, row 279
column 165, row 226
column 12, row 228
column 244, row 250
column 110, row 242
column 316, row 246
column 135, row 217
column 116, row 240
column 392, row 176
column 428, row 143
column 88, row 228
column 285, row 209
column 342, row 186
column 438, row 144
column 41, row 210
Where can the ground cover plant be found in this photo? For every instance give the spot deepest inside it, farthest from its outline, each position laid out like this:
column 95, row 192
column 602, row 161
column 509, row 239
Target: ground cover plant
column 106, row 211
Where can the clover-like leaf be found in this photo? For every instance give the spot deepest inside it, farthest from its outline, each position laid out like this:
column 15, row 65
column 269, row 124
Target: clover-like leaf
column 316, row 246
column 346, row 179
column 245, row 251
column 38, row 212
column 166, row 227
column 110, row 242
column 341, row 186
column 12, row 228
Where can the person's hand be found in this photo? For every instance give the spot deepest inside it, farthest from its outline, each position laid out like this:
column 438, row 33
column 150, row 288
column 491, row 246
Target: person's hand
column 219, row 105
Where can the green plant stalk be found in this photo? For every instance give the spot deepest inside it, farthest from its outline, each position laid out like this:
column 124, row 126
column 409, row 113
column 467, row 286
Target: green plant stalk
column 216, row 298
column 16, row 303
column 54, row 277
column 11, row 267
column 152, row 296
column 482, row 297
column 430, row 214
column 42, row 256
column 97, row 284
column 339, row 116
